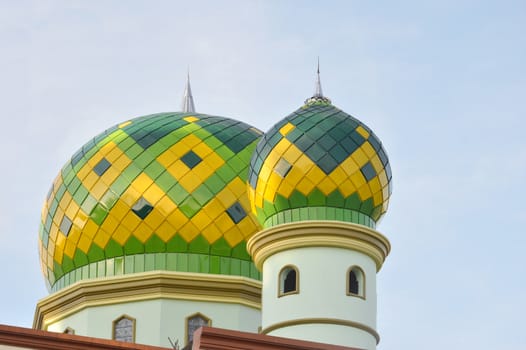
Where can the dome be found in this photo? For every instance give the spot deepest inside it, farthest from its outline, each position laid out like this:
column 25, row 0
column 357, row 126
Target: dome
column 160, row 192
column 319, row 163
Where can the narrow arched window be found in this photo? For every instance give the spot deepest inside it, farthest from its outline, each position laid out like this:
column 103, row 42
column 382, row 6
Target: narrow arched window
column 193, row 323
column 288, row 280
column 124, row 329
column 355, row 282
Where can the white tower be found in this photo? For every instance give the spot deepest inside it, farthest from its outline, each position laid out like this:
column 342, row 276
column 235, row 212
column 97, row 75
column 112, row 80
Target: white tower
column 319, row 181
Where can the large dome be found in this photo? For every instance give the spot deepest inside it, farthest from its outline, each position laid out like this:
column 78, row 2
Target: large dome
column 160, row 192
column 319, row 163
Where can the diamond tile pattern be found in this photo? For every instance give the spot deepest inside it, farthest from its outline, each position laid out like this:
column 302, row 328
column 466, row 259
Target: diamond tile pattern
column 162, row 185
column 319, row 163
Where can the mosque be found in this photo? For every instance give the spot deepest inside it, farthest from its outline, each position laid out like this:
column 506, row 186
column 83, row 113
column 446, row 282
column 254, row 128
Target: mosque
column 174, row 228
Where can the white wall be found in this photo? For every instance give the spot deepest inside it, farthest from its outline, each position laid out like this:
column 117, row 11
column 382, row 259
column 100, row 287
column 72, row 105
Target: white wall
column 322, row 285
column 158, row 319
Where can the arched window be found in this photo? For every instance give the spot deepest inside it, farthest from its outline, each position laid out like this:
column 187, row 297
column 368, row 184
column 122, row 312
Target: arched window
column 288, row 281
column 355, row 282
column 69, row 330
column 193, row 323
column 124, row 329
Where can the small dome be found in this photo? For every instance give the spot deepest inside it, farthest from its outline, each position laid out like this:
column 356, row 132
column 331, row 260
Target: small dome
column 160, row 192
column 319, row 163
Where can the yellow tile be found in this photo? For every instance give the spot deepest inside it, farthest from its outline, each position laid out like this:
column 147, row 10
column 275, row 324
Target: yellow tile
column 110, row 224
column 224, row 222
column 153, row 194
column 233, row 236
column 226, row 197
column 188, row 232
column 84, row 244
column 315, row 175
column 69, row 249
column 53, row 232
column 285, row 129
column 377, row 198
column 72, row 210
column 60, row 243
column 191, row 119
column 201, row 220
column 143, row 232
column 292, row 154
column 122, row 125
column 177, row 219
column 102, row 238
column 213, row 208
column 154, row 218
column 285, row 189
column 121, row 163
column 272, row 159
column 272, row 187
column 382, row 176
column 327, row 186
column 80, row 219
column 165, row 206
column 202, row 150
column 347, row 188
column 338, row 175
column 95, row 159
column 130, row 196
column 142, row 182
column 56, row 183
column 362, row 132
column 113, row 155
column 74, row 234
column 64, row 202
column 248, row 226
column 90, row 229
column 191, row 140
column 178, row 169
column 360, row 157
column 121, row 235
column 282, row 146
column 107, row 148
column 83, row 172
column 238, row 187
column 377, row 163
column 213, row 161
column 303, row 163
column 357, row 179
column 385, row 193
column 59, row 254
column 212, row 233
column 131, row 221
column 165, row 231
column 110, row 175
column 167, row 158
column 98, row 190
column 265, row 171
column 90, row 180
column 119, row 210
column 190, row 182
column 294, row 176
column 305, row 186
column 368, row 149
column 59, row 214
column 364, row 192
column 375, row 186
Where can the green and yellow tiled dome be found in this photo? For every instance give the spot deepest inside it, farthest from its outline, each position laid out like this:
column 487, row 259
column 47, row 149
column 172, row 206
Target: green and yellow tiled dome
column 161, row 192
column 319, row 163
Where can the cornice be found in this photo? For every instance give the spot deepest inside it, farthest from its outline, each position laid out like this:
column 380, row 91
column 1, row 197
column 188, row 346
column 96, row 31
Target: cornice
column 147, row 286
column 318, row 233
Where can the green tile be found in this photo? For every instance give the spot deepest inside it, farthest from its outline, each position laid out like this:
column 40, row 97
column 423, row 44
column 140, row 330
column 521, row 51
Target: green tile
column 101, row 269
column 189, row 207
column 109, row 199
column 193, row 262
column 245, row 269
column 154, row 245
column 215, row 264
column 93, row 270
column 129, row 264
column 171, row 261
column 353, row 201
column 220, row 247
column 95, row 253
column 165, row 181
column 67, row 264
column 113, row 249
column 199, row 245
column 119, row 265
column 202, row 195
column 89, row 203
column 177, row 244
column 133, row 246
column 240, row 251
column 149, row 262
column 182, row 262
column 177, row 193
column 225, row 265
column 131, row 172
column 98, row 214
column 367, row 207
column 120, row 185
column 160, row 261
column 316, row 198
column 297, row 199
column 110, row 267
column 139, row 263
column 204, row 263
column 335, row 199
column 154, row 170
column 235, row 267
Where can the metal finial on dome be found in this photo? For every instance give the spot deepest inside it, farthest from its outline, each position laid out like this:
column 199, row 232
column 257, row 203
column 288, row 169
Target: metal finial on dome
column 188, row 100
column 318, row 97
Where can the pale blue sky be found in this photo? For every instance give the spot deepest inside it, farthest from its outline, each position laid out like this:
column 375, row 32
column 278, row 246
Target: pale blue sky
column 442, row 83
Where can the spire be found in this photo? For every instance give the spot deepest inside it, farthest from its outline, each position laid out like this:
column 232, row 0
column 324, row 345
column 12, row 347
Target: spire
column 318, row 97
column 188, row 100
column 318, row 92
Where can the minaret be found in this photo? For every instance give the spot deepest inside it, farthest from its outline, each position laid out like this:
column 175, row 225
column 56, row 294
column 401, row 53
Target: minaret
column 319, row 181
column 188, row 100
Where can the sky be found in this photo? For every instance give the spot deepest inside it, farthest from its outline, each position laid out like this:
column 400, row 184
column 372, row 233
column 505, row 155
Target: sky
column 442, row 84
